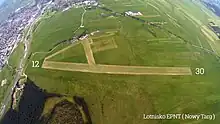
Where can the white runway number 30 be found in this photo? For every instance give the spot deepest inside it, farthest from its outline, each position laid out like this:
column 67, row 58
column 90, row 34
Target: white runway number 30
column 200, row 71
column 35, row 64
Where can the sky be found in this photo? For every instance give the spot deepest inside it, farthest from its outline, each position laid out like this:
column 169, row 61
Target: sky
column 1, row 1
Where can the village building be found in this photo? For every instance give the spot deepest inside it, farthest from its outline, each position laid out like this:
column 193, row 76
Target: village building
column 132, row 13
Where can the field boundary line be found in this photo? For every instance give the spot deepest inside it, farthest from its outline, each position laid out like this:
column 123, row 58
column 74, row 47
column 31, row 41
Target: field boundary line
column 62, row 50
column 199, row 42
column 113, row 45
column 150, row 16
column 103, row 36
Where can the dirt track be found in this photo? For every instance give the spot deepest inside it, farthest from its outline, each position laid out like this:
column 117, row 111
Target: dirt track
column 150, row 16
column 116, row 69
column 88, row 51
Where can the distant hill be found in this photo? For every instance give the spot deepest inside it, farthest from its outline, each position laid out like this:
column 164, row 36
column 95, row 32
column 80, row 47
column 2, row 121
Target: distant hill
column 9, row 6
column 213, row 5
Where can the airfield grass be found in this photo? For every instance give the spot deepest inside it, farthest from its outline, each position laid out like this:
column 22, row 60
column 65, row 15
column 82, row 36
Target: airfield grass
column 58, row 48
column 74, row 54
column 104, row 43
column 55, row 29
column 111, row 97
column 123, row 99
column 51, row 31
column 101, row 23
column 7, row 74
column 16, row 56
column 132, row 54
column 188, row 30
column 195, row 10
column 135, row 49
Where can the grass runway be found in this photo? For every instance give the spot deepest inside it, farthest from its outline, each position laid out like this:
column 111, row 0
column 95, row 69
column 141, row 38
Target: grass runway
column 116, row 69
column 92, row 67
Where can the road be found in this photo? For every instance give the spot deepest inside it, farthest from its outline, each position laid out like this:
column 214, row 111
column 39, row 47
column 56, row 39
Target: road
column 19, row 72
column 82, row 21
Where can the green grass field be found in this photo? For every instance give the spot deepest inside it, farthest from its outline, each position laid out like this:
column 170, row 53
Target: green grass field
column 9, row 70
column 74, row 54
column 123, row 99
column 55, row 29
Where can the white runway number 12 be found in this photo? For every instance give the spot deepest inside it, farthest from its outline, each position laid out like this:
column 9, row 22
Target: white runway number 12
column 35, row 64
column 200, row 71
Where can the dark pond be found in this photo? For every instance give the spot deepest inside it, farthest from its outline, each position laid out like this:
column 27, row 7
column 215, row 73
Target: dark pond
column 31, row 105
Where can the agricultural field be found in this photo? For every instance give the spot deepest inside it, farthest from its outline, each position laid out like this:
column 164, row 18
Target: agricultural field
column 157, row 63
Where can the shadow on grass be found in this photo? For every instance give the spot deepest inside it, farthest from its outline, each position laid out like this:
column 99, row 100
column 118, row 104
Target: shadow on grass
column 81, row 102
column 30, row 106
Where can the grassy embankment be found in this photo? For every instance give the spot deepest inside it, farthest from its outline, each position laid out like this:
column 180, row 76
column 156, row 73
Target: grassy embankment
column 9, row 70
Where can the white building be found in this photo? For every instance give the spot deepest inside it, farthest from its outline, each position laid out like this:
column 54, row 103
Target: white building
column 84, row 37
column 130, row 13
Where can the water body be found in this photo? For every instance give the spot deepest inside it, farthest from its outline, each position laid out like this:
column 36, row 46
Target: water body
column 32, row 102
column 30, row 107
